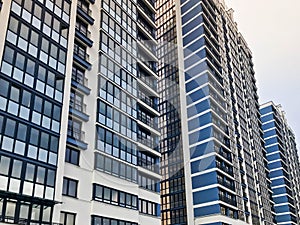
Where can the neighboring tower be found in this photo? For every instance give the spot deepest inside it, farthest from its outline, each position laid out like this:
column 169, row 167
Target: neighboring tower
column 220, row 147
column 79, row 137
column 283, row 163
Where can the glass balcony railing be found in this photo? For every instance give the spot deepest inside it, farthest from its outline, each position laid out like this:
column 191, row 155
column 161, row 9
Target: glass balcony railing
column 83, row 30
column 227, row 199
column 84, row 7
column 76, row 134
column 147, row 100
column 150, row 122
column 149, row 142
column 148, row 80
column 78, row 105
column 226, row 183
column 225, row 168
column 81, row 53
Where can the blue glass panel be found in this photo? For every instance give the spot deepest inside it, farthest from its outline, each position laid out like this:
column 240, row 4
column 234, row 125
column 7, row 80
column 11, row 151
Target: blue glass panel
column 269, row 133
column 200, row 135
column 282, row 209
column 283, row 218
column 195, row 11
column 194, row 47
column 202, row 149
column 195, row 70
column 192, row 24
column 281, row 199
column 199, row 121
column 198, row 108
column 266, row 110
column 204, row 180
column 203, row 164
column 279, row 191
column 205, row 196
column 273, row 157
column 189, row 5
column 268, row 125
column 194, row 58
column 197, row 95
column 276, row 173
column 193, row 35
column 267, row 118
column 273, row 148
column 207, row 210
column 197, row 82
column 271, row 141
column 274, row 165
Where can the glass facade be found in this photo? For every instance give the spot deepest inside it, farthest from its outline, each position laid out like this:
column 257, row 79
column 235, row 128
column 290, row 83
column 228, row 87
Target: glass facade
column 32, row 87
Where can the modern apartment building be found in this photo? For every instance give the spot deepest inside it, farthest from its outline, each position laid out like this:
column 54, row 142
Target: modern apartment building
column 79, row 138
column 283, row 163
column 214, row 169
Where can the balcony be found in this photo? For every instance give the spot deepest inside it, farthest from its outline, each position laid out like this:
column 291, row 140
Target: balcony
column 147, row 28
column 147, row 44
column 226, row 183
column 148, row 165
column 78, row 109
column 228, row 200
column 81, row 56
column 83, row 34
column 150, row 81
column 224, row 168
column 84, row 12
column 148, row 100
column 76, row 138
column 146, row 120
column 224, row 154
column 79, row 81
column 147, row 62
column 149, row 142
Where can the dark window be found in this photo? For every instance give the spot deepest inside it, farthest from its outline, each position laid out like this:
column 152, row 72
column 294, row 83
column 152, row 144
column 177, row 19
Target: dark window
column 70, row 187
column 72, row 156
column 97, row 220
column 114, row 197
column 67, row 218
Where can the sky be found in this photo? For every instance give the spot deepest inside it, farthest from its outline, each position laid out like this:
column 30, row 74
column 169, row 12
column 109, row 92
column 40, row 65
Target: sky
column 272, row 31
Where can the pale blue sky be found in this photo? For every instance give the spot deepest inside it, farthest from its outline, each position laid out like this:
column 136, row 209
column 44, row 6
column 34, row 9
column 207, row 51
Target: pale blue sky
column 272, row 30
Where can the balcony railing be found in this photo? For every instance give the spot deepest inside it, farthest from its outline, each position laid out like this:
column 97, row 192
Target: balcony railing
column 81, row 53
column 78, row 105
column 225, row 169
column 148, row 142
column 146, row 26
column 148, row 44
column 150, row 122
column 149, row 80
column 152, row 167
column 80, row 80
column 76, row 134
column 226, row 183
column 147, row 100
column 145, row 9
column 83, row 30
column 84, row 8
column 228, row 200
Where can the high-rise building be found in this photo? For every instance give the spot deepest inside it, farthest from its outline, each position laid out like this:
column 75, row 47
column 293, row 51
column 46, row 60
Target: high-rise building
column 283, row 163
column 79, row 138
column 213, row 158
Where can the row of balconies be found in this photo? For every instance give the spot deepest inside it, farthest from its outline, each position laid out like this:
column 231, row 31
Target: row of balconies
column 81, row 63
